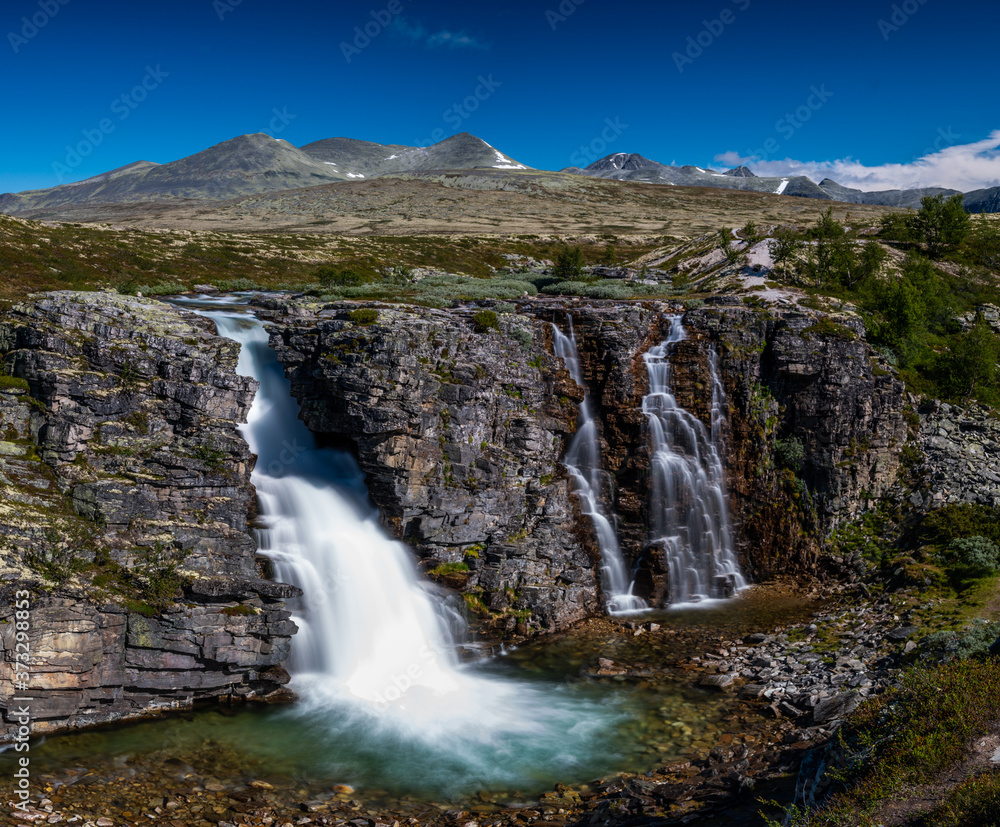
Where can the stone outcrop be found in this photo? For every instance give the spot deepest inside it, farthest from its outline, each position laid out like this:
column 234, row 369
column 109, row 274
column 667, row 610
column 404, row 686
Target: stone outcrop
column 959, row 457
column 460, row 433
column 124, row 499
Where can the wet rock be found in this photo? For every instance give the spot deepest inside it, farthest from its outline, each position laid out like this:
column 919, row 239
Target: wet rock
column 836, row 707
column 719, row 681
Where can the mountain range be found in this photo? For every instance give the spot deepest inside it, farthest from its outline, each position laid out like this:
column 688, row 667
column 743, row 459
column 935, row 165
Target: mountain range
column 258, row 164
column 630, row 167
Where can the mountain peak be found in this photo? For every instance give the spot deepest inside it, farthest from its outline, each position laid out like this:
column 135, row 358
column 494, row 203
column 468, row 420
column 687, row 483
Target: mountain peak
column 623, row 161
column 740, row 172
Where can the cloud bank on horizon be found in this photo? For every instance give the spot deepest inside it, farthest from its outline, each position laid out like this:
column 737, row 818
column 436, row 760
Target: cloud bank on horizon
column 963, row 167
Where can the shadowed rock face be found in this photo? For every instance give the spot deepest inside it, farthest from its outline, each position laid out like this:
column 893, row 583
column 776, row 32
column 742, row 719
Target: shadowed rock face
column 124, row 460
column 786, row 377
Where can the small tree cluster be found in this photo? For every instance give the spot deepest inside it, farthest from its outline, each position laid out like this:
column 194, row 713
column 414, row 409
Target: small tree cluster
column 941, row 225
column 569, row 263
column 835, row 259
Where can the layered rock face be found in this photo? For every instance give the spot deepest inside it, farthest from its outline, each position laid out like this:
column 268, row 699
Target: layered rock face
column 817, row 428
column 125, row 495
column 460, row 434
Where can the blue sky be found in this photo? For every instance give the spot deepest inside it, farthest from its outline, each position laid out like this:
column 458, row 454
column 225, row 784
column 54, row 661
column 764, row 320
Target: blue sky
column 858, row 90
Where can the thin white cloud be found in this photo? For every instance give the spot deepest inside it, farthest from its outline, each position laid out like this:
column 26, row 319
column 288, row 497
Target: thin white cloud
column 444, row 39
column 962, row 167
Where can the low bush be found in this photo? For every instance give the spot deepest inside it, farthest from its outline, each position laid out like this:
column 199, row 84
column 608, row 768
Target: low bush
column 789, row 453
column 973, row 641
column 363, row 316
column 342, row 275
column 959, row 521
column 484, row 321
column 239, row 285
column 976, row 556
column 522, row 336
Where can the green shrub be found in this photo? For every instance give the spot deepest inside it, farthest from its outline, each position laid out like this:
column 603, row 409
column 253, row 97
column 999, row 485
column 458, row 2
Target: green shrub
column 485, row 320
column 898, row 226
column 959, row 521
column 342, row 275
column 972, row 642
column 363, row 316
column 569, row 263
column 505, row 308
column 566, row 288
column 239, row 285
column 523, row 337
column 789, row 453
column 976, row 556
column 160, row 288
column 970, row 365
column 942, row 223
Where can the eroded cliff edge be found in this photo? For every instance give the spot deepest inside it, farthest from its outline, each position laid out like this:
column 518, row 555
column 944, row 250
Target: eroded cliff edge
column 125, row 493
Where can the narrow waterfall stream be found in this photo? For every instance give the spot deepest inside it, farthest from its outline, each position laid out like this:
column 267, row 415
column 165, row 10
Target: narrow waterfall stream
column 583, row 461
column 689, row 509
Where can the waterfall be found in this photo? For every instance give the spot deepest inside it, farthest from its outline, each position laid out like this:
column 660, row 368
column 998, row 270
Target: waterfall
column 689, row 512
column 583, row 461
column 374, row 661
column 362, row 596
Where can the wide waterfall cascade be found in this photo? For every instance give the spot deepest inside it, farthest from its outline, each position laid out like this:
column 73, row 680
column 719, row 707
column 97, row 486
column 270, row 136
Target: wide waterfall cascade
column 583, row 461
column 374, row 662
column 689, row 509
column 365, row 618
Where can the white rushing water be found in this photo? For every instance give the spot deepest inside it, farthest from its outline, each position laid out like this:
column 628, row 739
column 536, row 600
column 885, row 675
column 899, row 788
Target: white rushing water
column 583, row 461
column 374, row 660
column 689, row 511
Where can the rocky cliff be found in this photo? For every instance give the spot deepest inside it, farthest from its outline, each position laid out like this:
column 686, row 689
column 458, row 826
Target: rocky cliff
column 125, row 492
column 461, row 434
column 815, row 421
column 124, row 495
